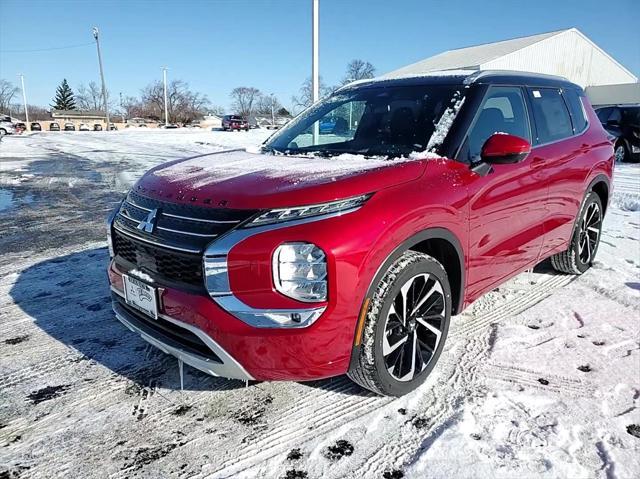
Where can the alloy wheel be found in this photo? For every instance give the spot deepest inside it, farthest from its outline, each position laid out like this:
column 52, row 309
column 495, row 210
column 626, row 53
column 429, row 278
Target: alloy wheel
column 413, row 327
column 590, row 227
column 619, row 154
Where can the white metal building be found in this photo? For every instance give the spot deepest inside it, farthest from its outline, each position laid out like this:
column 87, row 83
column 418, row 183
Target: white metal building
column 568, row 53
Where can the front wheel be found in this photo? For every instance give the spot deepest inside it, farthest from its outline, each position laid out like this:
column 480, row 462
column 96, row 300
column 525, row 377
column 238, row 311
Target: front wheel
column 406, row 325
column 584, row 244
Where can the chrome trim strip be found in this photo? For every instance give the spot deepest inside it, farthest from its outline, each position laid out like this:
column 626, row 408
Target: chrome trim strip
column 126, row 216
column 201, row 235
column 161, row 245
column 136, row 205
column 229, row 368
column 187, row 218
column 217, row 282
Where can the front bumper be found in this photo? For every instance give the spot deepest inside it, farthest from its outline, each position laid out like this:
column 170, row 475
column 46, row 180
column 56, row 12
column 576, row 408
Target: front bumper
column 167, row 338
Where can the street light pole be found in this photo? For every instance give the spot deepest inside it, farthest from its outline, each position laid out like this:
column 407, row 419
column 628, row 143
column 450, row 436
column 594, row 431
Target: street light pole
column 315, row 75
column 96, row 35
column 273, row 116
column 24, row 99
column 166, row 109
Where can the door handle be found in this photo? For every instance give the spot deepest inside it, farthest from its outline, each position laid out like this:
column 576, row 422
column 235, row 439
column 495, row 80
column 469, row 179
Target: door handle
column 537, row 163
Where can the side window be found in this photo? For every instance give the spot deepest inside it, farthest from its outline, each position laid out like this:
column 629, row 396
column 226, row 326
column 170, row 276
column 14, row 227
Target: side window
column 551, row 115
column 503, row 111
column 603, row 114
column 576, row 108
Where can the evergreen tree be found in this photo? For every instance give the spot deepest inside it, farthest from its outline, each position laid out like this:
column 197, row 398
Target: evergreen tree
column 64, row 99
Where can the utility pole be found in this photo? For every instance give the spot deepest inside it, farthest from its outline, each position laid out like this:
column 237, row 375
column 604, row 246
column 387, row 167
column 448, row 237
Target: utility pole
column 96, row 35
column 121, row 107
column 166, row 109
column 273, row 116
column 315, row 75
column 24, row 99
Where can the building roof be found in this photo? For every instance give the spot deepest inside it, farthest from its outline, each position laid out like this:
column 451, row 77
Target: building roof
column 77, row 114
column 472, row 57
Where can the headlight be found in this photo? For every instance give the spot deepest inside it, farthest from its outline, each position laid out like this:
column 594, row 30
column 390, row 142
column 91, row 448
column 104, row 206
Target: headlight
column 300, row 271
column 287, row 214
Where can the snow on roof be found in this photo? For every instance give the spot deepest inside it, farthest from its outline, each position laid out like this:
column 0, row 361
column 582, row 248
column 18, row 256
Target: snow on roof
column 470, row 57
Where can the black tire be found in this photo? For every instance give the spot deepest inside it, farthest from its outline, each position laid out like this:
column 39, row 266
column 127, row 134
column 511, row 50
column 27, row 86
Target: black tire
column 621, row 153
column 372, row 370
column 575, row 260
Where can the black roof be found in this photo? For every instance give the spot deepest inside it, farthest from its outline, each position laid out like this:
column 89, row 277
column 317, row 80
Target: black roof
column 467, row 77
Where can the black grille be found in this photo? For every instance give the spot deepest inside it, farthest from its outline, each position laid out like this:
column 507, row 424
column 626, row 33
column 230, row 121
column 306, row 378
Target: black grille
column 163, row 264
column 172, row 252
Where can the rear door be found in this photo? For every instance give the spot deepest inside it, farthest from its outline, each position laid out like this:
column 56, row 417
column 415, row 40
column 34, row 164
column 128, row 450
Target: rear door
column 559, row 158
column 506, row 205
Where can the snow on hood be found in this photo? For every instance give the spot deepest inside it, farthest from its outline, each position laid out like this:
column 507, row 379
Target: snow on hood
column 203, row 170
column 240, row 179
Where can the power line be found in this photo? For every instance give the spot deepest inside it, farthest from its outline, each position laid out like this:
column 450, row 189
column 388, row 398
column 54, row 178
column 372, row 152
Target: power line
column 47, row 49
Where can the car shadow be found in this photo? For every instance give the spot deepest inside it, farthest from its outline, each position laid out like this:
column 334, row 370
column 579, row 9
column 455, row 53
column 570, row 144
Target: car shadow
column 68, row 298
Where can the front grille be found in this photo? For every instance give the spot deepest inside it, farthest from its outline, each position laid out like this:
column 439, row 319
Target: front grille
column 172, row 252
column 161, row 263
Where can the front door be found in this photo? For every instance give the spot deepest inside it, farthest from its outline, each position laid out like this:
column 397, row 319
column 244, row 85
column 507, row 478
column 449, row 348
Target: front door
column 507, row 206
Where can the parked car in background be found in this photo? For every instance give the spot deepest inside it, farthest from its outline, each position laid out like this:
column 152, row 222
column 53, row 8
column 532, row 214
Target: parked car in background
column 97, row 127
column 623, row 122
column 234, row 122
column 69, row 127
column 20, row 127
column 53, row 126
column 170, row 126
column 449, row 185
column 35, row 126
column 113, row 127
column 7, row 128
column 84, row 127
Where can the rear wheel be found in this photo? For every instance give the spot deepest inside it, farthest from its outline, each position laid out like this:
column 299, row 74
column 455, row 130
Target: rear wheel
column 584, row 244
column 405, row 327
column 620, row 152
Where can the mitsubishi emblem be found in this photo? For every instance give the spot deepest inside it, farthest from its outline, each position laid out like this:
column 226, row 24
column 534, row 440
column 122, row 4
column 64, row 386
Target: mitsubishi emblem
column 149, row 223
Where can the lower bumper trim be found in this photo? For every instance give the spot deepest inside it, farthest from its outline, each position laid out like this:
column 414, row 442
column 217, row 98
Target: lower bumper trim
column 227, row 367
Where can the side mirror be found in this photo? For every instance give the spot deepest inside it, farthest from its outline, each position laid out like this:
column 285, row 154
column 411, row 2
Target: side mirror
column 502, row 148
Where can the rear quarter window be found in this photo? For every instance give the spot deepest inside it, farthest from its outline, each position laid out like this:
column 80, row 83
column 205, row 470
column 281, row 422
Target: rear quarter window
column 551, row 115
column 576, row 108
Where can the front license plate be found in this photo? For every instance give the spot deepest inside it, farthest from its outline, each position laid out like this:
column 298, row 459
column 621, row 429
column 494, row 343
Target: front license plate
column 141, row 296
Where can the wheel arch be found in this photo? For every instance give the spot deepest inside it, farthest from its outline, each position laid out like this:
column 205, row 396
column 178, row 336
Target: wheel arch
column 441, row 244
column 600, row 185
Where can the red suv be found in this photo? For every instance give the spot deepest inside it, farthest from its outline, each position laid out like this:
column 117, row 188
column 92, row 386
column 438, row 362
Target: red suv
column 348, row 250
column 234, row 122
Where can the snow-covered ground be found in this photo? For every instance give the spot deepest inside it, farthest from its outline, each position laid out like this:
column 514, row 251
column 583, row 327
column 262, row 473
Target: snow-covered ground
column 540, row 378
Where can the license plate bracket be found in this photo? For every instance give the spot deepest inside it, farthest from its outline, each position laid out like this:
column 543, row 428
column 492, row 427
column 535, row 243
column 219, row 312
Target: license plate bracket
column 140, row 296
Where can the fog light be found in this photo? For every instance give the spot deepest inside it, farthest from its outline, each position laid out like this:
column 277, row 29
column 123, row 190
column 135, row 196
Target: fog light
column 300, row 271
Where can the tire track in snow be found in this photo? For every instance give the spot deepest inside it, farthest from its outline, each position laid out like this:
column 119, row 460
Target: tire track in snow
column 463, row 373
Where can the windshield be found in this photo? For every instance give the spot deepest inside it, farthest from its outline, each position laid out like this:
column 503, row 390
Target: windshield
column 381, row 121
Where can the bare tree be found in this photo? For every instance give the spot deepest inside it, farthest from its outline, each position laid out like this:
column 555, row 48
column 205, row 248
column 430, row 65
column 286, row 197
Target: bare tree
column 183, row 104
column 305, row 97
column 90, row 98
column 7, row 92
column 245, row 100
column 268, row 104
column 358, row 70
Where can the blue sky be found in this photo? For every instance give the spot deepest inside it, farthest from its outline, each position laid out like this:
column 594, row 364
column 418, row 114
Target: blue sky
column 216, row 45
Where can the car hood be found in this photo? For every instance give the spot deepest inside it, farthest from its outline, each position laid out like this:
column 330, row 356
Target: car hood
column 240, row 179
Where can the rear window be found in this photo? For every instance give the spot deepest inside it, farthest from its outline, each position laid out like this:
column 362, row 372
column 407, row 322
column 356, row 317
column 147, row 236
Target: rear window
column 577, row 110
column 551, row 115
